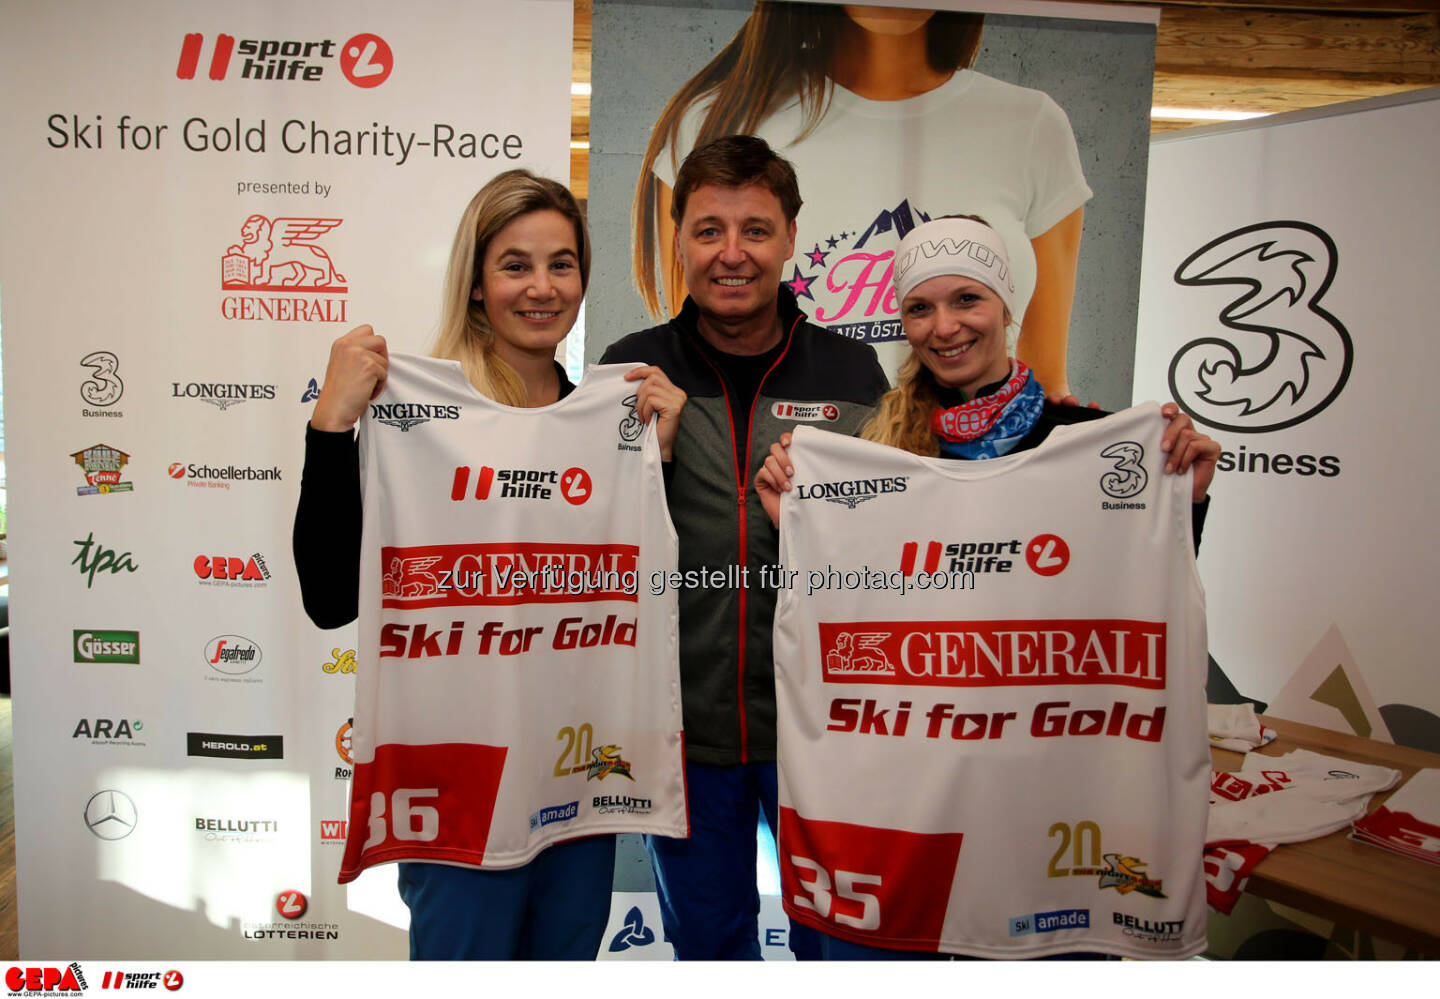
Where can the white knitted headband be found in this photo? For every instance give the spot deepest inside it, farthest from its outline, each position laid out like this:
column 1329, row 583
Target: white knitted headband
column 954, row 246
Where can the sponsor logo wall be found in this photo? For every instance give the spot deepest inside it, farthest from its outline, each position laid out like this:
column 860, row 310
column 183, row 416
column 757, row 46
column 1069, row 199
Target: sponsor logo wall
column 1281, row 312
column 198, row 199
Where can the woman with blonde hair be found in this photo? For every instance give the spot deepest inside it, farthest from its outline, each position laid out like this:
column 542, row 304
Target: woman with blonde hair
column 842, row 90
column 518, row 270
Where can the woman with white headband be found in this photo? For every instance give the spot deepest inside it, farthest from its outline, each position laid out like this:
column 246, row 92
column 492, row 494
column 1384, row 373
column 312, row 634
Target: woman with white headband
column 961, row 396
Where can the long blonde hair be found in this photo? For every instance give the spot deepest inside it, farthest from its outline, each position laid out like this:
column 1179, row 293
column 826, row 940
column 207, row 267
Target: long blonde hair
column 465, row 331
column 784, row 50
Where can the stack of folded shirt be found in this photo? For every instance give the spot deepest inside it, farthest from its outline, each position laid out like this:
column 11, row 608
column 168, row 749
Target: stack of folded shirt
column 1279, row 799
column 1235, row 727
column 1409, row 823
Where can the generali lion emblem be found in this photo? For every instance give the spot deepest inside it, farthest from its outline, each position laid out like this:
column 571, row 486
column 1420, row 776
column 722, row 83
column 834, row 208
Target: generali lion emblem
column 281, row 254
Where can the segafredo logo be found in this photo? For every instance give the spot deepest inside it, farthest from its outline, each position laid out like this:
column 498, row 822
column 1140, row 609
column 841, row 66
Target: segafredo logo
column 366, row 59
column 233, row 655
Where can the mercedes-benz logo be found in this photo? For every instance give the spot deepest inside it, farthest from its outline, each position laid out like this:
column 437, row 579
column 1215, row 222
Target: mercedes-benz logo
column 110, row 814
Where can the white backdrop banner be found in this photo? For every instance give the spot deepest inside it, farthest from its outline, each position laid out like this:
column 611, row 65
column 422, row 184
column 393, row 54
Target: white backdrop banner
column 1286, row 304
column 198, row 198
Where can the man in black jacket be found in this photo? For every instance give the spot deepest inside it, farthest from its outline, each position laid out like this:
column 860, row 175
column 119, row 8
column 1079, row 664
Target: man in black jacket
column 752, row 367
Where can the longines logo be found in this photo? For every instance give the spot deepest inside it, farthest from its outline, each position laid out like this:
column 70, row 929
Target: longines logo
column 852, row 492
column 102, row 464
column 221, row 395
column 110, row 814
column 365, row 60
column 282, row 255
column 1283, row 358
column 232, row 655
column 404, row 415
column 104, row 386
column 235, row 747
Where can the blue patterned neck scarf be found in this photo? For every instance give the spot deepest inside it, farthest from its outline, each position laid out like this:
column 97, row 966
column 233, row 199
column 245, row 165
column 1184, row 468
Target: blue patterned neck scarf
column 994, row 424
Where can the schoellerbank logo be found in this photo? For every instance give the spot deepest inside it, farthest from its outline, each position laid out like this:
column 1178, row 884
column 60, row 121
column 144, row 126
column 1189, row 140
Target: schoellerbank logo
column 365, row 60
column 221, row 476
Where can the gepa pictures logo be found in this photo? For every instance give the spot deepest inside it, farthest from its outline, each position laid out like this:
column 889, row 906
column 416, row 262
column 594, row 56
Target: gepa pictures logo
column 365, row 59
column 45, row 980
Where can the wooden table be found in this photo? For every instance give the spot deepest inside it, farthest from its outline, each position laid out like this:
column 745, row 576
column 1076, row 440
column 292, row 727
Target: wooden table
column 1351, row 883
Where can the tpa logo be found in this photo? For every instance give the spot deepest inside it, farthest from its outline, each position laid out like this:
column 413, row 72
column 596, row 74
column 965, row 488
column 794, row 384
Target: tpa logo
column 102, row 465
column 1283, row 357
column 233, row 655
column 93, row 557
column 291, row 904
column 366, row 59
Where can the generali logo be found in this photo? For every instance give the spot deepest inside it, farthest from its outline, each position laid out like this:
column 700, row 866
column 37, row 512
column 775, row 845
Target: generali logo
column 286, row 257
column 365, row 60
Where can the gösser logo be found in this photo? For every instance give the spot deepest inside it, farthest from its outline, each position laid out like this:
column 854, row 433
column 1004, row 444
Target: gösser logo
column 107, row 647
column 366, row 59
column 110, row 814
column 291, row 904
column 1047, row 554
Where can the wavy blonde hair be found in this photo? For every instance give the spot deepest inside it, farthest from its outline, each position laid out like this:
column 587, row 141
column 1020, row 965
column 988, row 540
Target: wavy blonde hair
column 465, row 331
column 784, row 51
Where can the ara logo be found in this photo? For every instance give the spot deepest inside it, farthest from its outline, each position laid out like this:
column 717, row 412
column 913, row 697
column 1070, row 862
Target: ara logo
column 285, row 256
column 109, row 732
column 1283, row 357
column 103, row 387
column 102, row 465
column 233, row 655
column 633, row 934
column 365, row 60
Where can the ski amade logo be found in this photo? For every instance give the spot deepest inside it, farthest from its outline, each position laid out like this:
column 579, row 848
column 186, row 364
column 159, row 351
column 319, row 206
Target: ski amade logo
column 849, row 275
column 287, row 259
column 1281, row 357
column 365, row 59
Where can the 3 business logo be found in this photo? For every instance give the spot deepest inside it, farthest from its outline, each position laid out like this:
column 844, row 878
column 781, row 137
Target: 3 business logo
column 102, row 465
column 1128, row 478
column 104, row 386
column 366, row 59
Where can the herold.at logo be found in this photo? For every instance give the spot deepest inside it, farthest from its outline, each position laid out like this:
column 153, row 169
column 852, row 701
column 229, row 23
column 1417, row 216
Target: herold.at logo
column 231, row 570
column 46, row 980
column 107, row 647
column 232, row 655
column 235, row 747
column 365, row 60
column 102, row 464
column 287, row 259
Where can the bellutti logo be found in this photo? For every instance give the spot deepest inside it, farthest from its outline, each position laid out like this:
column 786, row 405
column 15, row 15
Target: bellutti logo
column 246, row 830
column 1128, row 478
column 341, row 661
column 230, row 570
column 94, row 557
column 1284, row 357
column 404, row 415
column 102, row 464
column 232, row 655
column 107, row 647
column 852, row 492
column 806, row 412
column 110, row 814
column 573, row 484
column 109, row 731
column 45, row 981
column 365, row 60
column 851, row 277
column 282, row 255
column 1152, row 930
column 221, row 395
column 221, row 476
column 235, row 747
column 103, row 387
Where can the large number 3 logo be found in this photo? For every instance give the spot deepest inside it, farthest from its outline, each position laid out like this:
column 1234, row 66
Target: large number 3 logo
column 819, row 898
column 1129, row 477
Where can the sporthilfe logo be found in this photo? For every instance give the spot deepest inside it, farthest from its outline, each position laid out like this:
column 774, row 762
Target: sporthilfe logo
column 366, row 59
